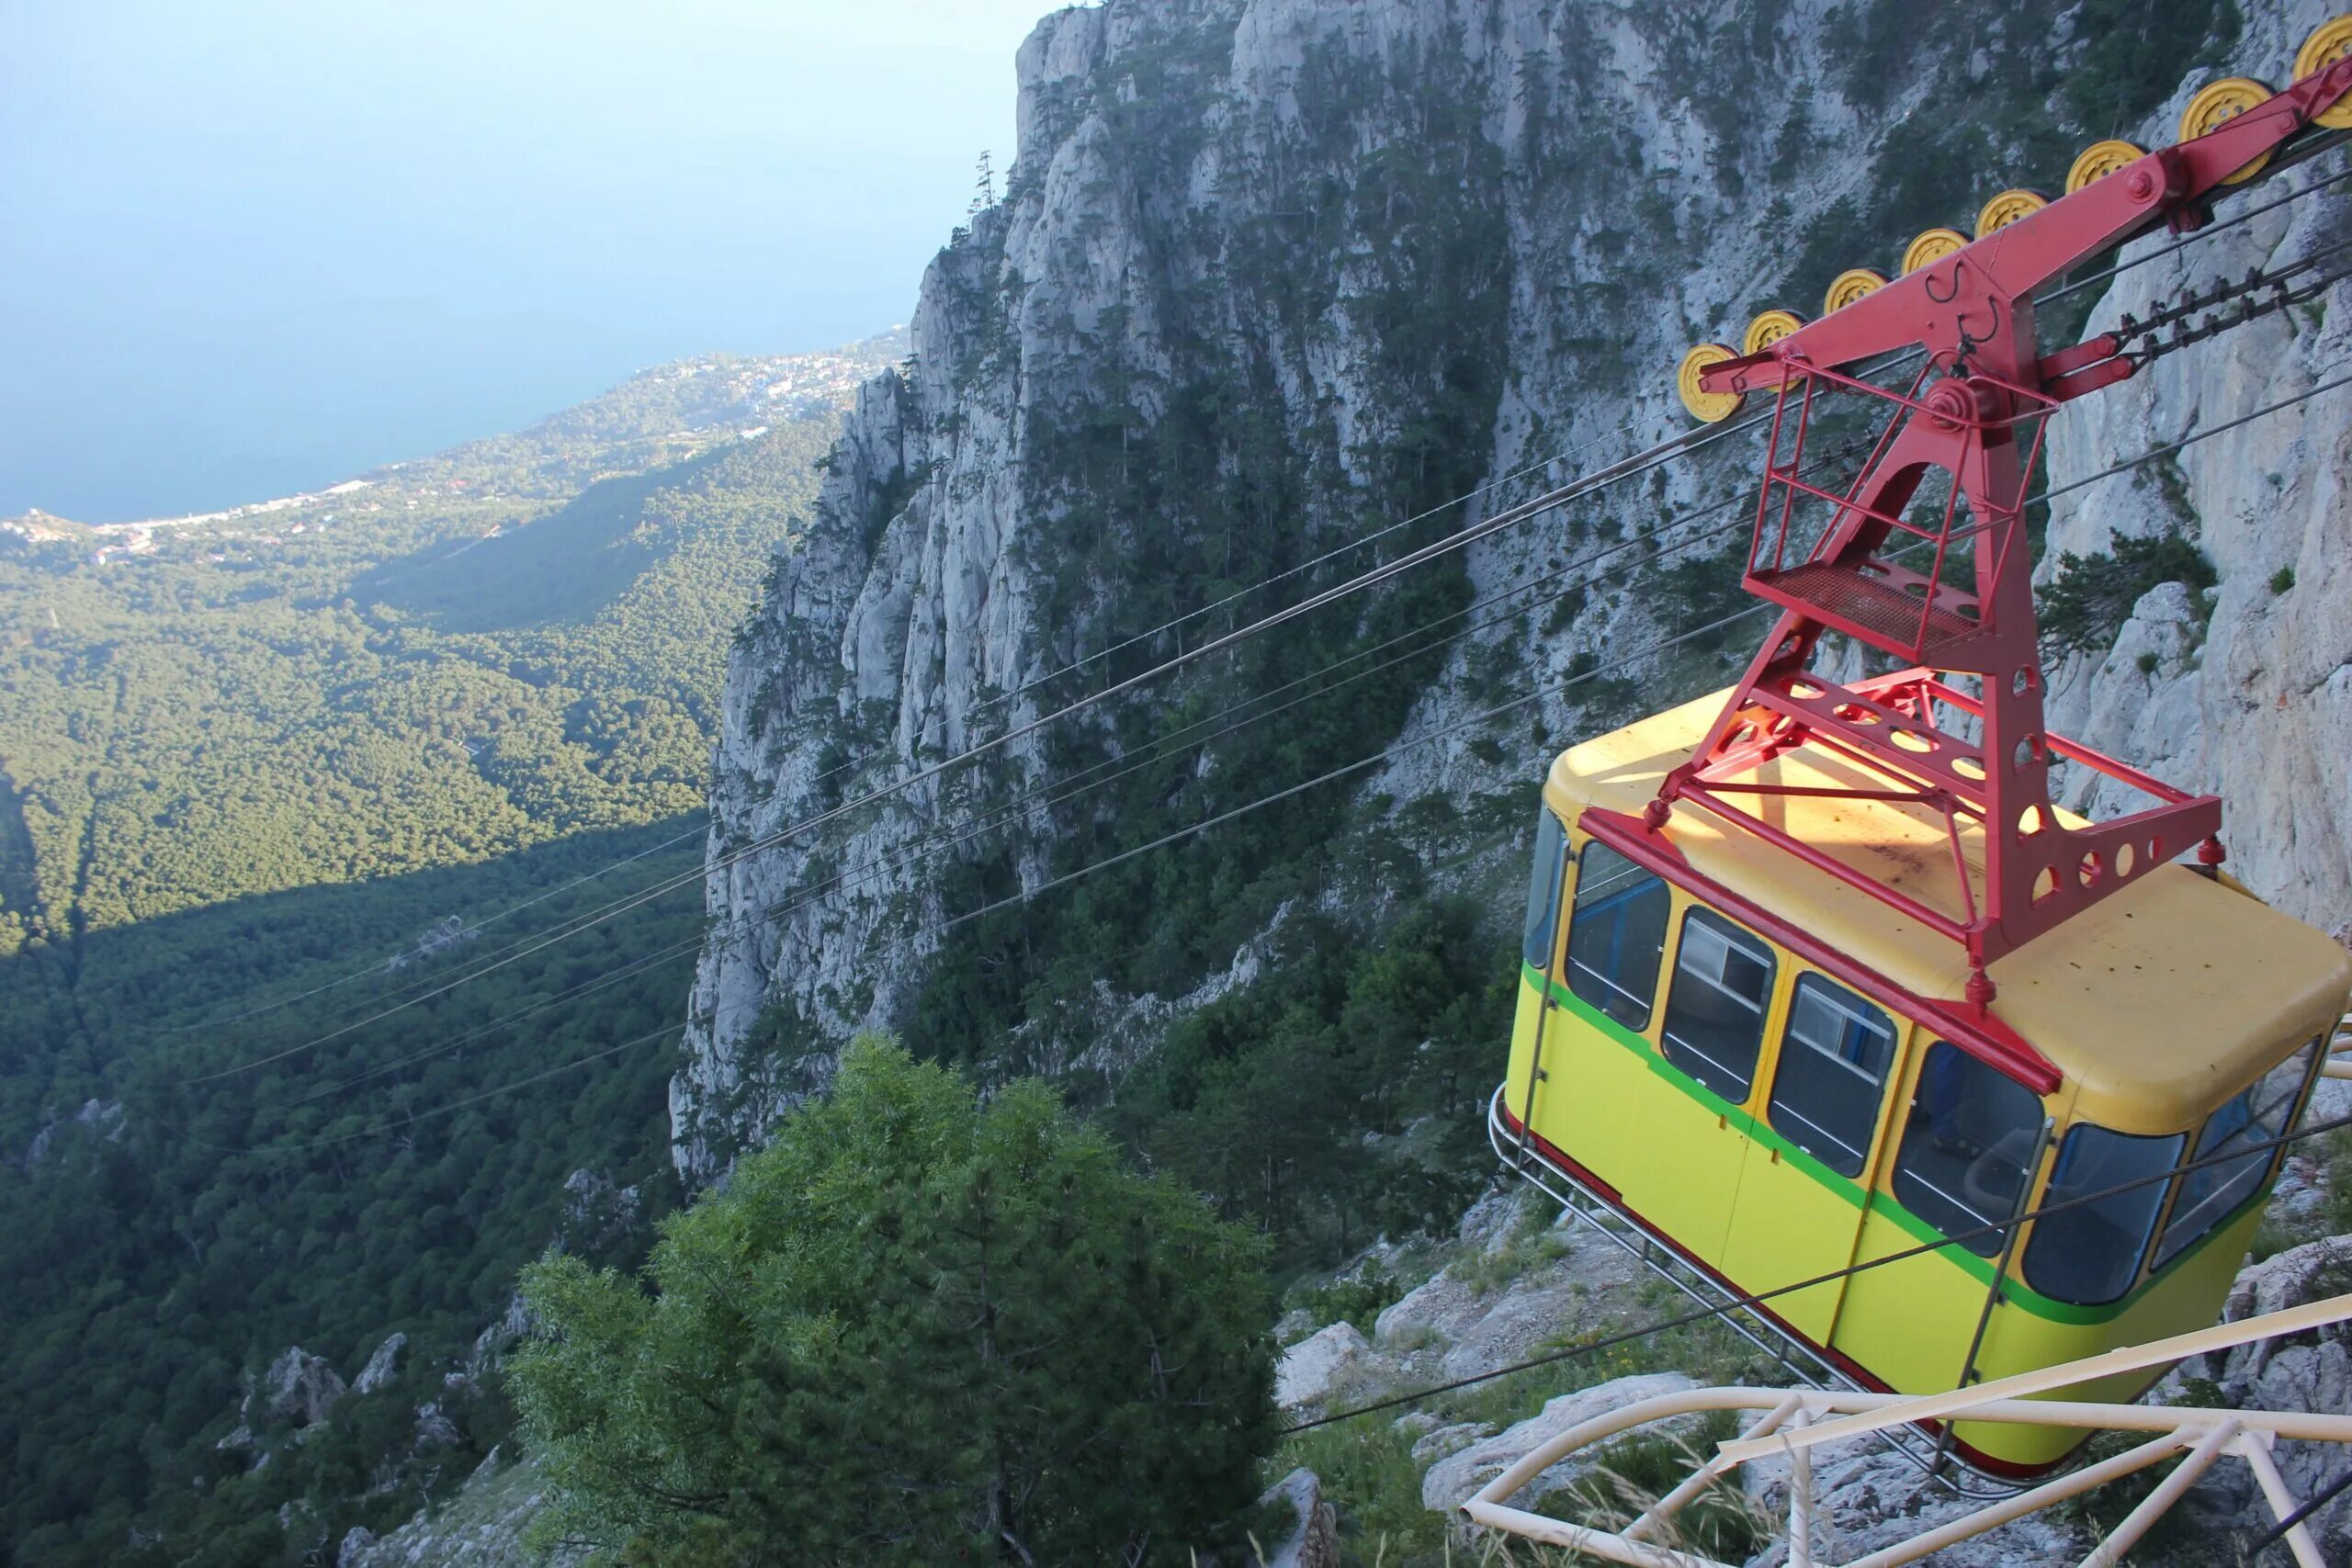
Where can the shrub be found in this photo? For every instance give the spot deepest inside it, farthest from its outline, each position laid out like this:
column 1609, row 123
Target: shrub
column 2092, row 596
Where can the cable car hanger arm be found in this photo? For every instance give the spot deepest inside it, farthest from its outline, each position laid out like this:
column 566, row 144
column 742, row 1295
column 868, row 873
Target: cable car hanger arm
column 1973, row 305
column 1941, row 579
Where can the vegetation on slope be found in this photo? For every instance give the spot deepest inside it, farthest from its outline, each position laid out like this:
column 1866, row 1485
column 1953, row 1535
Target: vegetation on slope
column 321, row 749
column 913, row 1328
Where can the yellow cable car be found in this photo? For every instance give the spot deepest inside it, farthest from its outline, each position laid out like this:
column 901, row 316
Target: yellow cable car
column 1818, row 975
column 1779, row 1077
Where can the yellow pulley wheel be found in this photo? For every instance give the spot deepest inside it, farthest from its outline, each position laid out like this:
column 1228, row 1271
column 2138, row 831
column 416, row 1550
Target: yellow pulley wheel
column 2007, row 208
column 1851, row 286
column 2218, row 104
column 1712, row 407
column 2100, row 160
column 1767, row 329
column 2329, row 42
column 1932, row 247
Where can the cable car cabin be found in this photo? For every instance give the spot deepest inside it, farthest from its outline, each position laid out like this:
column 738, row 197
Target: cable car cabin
column 1773, row 1073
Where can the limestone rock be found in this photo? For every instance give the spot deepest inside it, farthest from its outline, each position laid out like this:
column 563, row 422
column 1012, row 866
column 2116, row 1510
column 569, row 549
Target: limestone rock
column 1440, row 1442
column 1312, row 1368
column 2249, row 692
column 1124, row 270
column 298, row 1388
column 481, row 1526
column 1441, row 1305
column 1452, row 1481
column 490, row 1346
column 1413, row 1423
column 595, row 1209
column 930, row 590
column 1313, row 1541
column 1488, row 1223
column 434, row 1430
column 382, row 1367
column 1294, row 1325
column 96, row 1117
column 1868, row 1499
column 2310, row 1371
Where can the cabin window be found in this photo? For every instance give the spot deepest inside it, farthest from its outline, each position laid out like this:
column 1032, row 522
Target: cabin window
column 1714, row 1011
column 2257, row 1114
column 1972, row 1131
column 1616, row 934
column 1835, row 1055
column 1543, row 891
column 2091, row 1254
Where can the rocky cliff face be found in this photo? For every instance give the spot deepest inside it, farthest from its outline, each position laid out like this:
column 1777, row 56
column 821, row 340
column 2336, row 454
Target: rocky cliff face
column 2244, row 690
column 1271, row 274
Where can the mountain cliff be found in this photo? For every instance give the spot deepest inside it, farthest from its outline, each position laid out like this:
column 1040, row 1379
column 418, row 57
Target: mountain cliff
column 2240, row 682
column 1270, row 278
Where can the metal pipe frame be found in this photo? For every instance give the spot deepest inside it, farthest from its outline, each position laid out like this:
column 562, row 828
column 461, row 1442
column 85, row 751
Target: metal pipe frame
column 1792, row 1422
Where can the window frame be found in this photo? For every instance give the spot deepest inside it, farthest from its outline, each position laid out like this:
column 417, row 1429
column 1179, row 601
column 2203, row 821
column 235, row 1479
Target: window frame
column 1899, row 1174
column 1552, row 833
column 2151, row 1228
column 2167, row 1251
column 1571, row 968
column 1851, row 1003
column 1731, row 937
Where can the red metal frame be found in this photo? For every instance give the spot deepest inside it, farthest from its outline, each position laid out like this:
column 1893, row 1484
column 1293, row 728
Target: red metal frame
column 1979, row 758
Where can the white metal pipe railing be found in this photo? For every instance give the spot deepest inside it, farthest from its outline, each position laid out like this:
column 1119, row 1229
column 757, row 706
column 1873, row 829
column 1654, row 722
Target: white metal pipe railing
column 1794, row 1422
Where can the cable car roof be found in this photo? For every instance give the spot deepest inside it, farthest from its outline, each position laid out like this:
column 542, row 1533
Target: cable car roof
column 2159, row 1001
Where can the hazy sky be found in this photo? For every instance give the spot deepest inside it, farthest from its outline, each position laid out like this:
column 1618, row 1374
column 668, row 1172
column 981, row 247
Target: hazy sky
column 250, row 246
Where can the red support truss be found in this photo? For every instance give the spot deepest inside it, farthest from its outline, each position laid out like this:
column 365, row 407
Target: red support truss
column 1882, row 561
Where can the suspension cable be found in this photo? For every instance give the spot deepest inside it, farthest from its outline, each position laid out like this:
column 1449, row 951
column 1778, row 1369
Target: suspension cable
column 2235, row 220
column 1161, row 748
column 1617, row 473
column 1364, row 763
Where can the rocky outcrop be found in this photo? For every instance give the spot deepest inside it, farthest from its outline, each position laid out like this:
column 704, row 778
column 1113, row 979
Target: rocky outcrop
column 1868, row 1499
column 1313, row 1538
column 2300, row 1371
column 1313, row 1369
column 491, row 1345
column 382, row 1367
column 297, row 1389
column 101, row 1119
column 1312, row 250
column 1452, row 1481
column 597, row 1212
column 1368, row 236
column 484, row 1526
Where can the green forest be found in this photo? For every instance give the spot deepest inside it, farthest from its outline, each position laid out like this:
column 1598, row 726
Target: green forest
column 269, row 778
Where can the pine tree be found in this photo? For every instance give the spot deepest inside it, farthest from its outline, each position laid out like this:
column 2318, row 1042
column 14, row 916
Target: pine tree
column 913, row 1329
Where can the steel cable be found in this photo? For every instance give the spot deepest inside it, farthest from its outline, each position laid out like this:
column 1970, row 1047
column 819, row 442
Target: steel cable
column 1681, row 445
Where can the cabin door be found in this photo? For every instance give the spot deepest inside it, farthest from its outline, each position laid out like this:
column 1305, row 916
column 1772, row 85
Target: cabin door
column 1804, row 1184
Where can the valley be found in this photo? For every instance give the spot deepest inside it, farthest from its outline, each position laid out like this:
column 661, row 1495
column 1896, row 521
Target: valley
column 274, row 773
